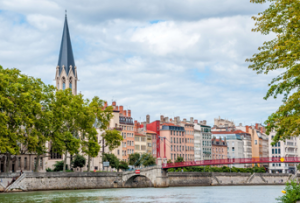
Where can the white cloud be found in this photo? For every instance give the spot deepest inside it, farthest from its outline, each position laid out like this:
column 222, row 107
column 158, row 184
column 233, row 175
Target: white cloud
column 190, row 64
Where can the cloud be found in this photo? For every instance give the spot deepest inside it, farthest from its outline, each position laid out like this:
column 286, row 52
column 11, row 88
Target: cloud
column 177, row 58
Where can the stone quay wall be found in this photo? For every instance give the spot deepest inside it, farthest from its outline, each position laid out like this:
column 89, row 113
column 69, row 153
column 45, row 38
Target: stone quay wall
column 90, row 180
column 206, row 179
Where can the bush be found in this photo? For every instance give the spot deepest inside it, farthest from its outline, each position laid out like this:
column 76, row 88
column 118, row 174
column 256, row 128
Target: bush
column 291, row 193
column 179, row 159
column 79, row 161
column 59, row 165
column 123, row 165
column 49, row 170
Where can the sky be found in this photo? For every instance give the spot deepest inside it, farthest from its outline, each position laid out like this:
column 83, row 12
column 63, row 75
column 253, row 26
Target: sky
column 171, row 57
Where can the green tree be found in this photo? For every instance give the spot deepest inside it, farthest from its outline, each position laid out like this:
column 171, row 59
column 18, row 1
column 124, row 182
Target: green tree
column 123, row 165
column 134, row 159
column 112, row 139
column 100, row 117
column 281, row 53
column 147, row 160
column 22, row 121
column 179, row 159
column 79, row 161
column 112, row 159
column 67, row 110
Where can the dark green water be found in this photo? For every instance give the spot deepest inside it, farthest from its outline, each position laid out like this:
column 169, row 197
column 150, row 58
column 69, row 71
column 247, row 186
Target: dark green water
column 217, row 194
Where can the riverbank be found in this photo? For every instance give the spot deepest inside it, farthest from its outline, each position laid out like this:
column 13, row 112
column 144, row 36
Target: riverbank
column 90, row 180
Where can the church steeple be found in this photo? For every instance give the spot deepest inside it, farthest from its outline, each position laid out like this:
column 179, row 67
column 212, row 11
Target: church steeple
column 66, row 57
column 66, row 71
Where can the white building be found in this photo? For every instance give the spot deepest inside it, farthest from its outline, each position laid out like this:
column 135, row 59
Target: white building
column 287, row 148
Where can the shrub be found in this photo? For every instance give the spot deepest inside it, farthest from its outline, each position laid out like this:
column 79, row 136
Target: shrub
column 79, row 161
column 291, row 193
column 59, row 165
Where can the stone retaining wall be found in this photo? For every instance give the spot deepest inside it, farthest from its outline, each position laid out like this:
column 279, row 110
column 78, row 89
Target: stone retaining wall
column 90, row 180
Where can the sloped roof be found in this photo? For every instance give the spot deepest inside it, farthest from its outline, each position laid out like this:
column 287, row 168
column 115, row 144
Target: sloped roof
column 150, row 132
column 66, row 57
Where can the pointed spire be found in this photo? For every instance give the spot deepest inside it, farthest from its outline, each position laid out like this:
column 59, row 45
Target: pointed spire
column 66, row 57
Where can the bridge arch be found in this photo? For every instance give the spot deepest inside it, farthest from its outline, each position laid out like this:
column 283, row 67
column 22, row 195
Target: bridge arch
column 138, row 180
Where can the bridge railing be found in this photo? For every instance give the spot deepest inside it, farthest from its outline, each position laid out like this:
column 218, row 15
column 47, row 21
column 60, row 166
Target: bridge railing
column 232, row 161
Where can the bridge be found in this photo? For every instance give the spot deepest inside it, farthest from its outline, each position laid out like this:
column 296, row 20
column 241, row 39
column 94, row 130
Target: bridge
column 232, row 161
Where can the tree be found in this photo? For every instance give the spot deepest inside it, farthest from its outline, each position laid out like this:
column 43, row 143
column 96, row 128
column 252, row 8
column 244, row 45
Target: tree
column 22, row 121
column 67, row 110
column 281, row 18
column 147, row 160
column 79, row 161
column 112, row 139
column 134, row 159
column 179, row 159
column 123, row 165
column 112, row 159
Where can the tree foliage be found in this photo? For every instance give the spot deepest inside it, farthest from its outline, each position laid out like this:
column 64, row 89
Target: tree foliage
column 59, row 166
column 179, row 159
column 113, row 139
column 147, row 160
column 79, row 161
column 134, row 159
column 112, row 159
column 280, row 54
column 292, row 193
column 123, row 165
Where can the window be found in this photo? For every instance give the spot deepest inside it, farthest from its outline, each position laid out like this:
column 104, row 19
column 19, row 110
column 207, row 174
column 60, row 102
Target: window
column 278, row 144
column 143, row 147
column 278, row 151
column 118, row 152
column 275, row 151
column 255, row 142
column 143, row 139
column 70, row 85
column 136, row 139
column 25, row 163
column 233, row 149
column 137, row 147
column 272, row 151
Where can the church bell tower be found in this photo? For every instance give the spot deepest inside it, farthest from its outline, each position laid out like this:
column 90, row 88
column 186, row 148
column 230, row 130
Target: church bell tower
column 66, row 71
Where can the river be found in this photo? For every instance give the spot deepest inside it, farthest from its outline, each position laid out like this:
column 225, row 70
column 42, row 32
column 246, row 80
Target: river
column 210, row 194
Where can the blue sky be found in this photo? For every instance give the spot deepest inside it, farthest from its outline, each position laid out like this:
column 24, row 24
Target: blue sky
column 176, row 58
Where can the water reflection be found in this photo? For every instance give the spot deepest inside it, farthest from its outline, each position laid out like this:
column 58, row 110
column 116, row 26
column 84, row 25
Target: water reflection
column 224, row 194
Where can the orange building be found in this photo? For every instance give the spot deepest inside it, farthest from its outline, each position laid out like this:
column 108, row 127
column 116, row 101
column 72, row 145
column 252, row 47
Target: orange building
column 218, row 148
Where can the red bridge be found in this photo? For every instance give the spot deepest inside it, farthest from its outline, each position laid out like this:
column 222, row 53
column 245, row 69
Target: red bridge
column 232, row 161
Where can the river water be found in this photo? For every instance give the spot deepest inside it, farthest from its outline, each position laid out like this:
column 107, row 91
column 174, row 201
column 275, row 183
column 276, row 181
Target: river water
column 210, row 194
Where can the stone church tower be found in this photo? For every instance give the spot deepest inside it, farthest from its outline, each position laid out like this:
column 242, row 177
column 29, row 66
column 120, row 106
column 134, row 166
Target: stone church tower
column 66, row 71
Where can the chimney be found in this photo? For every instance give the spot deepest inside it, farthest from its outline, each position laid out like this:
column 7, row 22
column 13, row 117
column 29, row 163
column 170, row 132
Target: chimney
column 191, row 120
column 161, row 118
column 129, row 113
column 247, row 129
column 121, row 109
column 240, row 124
column 262, row 129
column 135, row 125
column 171, row 120
column 117, row 108
column 148, row 119
column 184, row 120
column 166, row 119
column 125, row 113
column 144, row 126
column 195, row 121
column 114, row 103
column 204, row 122
column 256, row 126
column 105, row 104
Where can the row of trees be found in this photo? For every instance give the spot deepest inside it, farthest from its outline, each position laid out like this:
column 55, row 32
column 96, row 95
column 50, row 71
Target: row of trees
column 218, row 169
column 33, row 114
